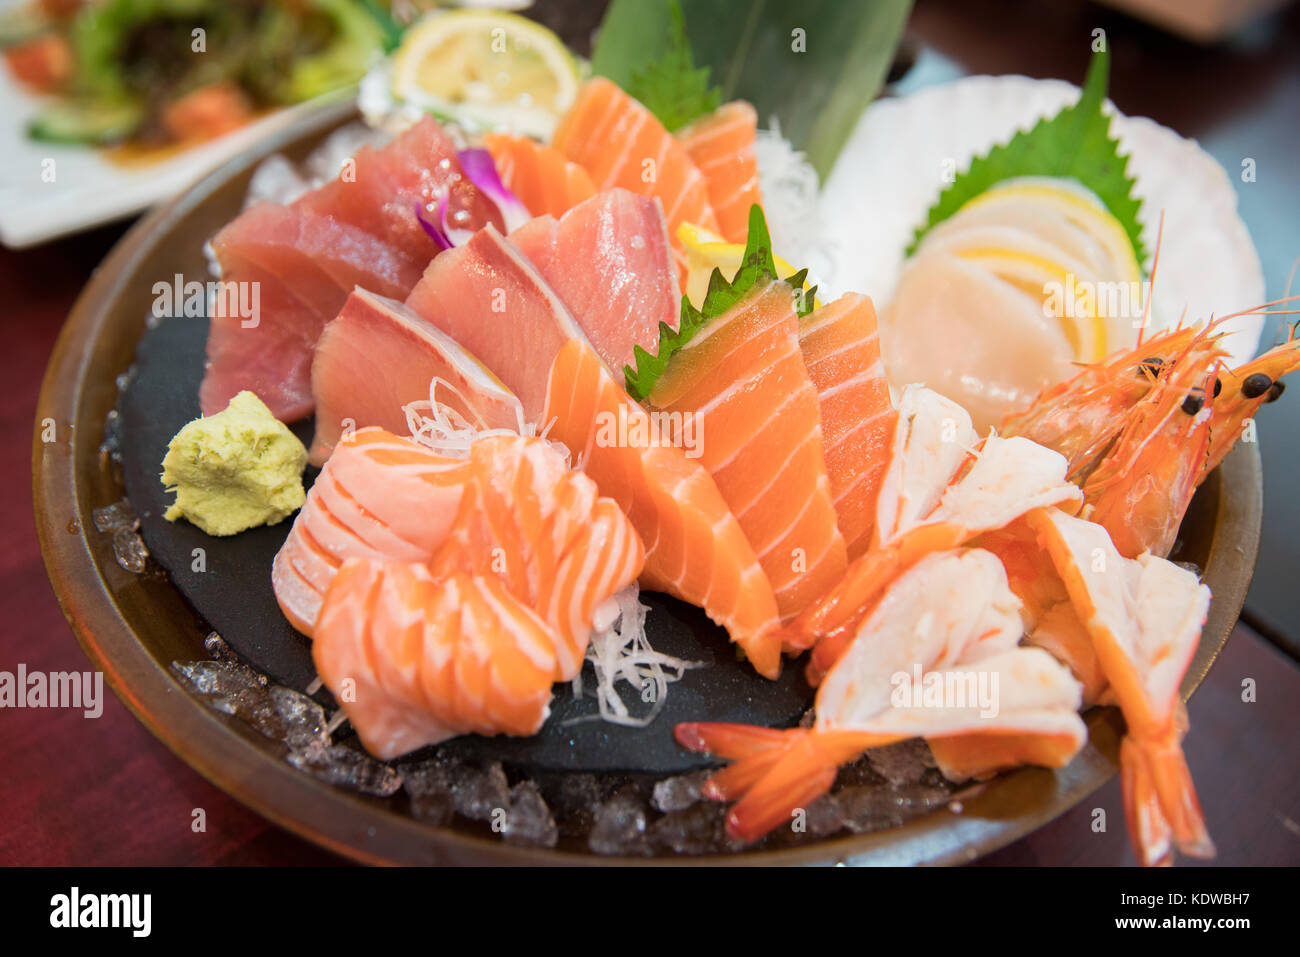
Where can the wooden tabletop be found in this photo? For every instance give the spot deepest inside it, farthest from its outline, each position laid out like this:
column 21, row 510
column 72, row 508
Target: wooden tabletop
column 104, row 791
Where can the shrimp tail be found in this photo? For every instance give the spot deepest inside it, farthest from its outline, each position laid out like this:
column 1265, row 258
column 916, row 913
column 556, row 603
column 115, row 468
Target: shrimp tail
column 1160, row 800
column 775, row 774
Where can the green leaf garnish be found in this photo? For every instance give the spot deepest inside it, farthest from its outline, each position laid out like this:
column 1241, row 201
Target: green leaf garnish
column 672, row 87
column 757, row 266
column 1075, row 143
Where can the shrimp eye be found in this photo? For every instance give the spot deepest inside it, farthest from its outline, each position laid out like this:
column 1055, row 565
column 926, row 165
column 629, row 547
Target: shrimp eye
column 1194, row 402
column 1275, row 391
column 1256, row 385
column 1218, row 387
column 1151, row 365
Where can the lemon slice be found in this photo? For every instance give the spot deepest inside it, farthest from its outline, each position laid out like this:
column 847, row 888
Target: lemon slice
column 487, row 69
column 1079, row 205
column 705, row 251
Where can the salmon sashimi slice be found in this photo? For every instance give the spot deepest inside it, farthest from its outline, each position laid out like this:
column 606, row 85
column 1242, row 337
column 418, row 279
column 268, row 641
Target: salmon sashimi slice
column 627, row 284
column 489, row 298
column 841, row 351
column 742, row 382
column 378, row 356
column 300, row 267
column 379, row 496
column 432, row 658
column 621, row 143
column 512, row 509
column 695, row 549
column 721, row 145
column 543, row 178
column 547, row 533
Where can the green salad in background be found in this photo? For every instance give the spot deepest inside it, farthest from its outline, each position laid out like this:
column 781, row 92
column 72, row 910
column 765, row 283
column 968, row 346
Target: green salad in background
column 156, row 72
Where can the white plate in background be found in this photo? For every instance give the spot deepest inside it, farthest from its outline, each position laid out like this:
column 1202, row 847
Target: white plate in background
column 87, row 188
column 891, row 172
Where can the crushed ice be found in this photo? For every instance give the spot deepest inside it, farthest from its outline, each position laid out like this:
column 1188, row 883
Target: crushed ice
column 120, row 521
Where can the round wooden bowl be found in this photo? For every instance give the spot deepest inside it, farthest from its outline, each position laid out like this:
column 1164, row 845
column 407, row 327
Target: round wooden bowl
column 133, row 626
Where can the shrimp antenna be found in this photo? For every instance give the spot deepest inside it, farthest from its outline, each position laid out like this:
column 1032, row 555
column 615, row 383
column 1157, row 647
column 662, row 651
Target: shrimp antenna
column 1151, row 280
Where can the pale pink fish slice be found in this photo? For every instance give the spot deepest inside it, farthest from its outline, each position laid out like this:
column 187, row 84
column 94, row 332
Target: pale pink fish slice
column 490, row 299
column 378, row 355
column 626, row 284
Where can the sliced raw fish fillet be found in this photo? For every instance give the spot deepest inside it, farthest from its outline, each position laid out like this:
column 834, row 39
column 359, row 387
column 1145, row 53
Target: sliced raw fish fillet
column 545, row 181
column 621, row 143
column 513, row 510
column 432, row 658
column 743, row 382
column 547, row 533
column 301, row 266
column 841, row 351
column 358, row 230
column 694, row 547
column 987, row 344
column 625, row 285
column 721, row 145
column 488, row 297
column 379, row 190
column 379, row 496
column 378, row 355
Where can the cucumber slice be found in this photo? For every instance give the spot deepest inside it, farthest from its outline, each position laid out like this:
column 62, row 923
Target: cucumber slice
column 98, row 123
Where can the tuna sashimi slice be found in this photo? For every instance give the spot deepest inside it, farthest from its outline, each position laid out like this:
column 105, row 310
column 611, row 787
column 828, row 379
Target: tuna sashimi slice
column 609, row 260
column 301, row 266
column 545, row 181
column 379, row 496
column 488, row 297
column 694, row 547
column 841, row 351
column 743, row 382
column 359, row 230
column 721, row 145
column 621, row 143
column 379, row 190
column 378, row 355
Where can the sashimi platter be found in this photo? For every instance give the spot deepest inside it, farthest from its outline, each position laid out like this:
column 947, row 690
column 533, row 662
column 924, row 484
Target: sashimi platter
column 575, row 471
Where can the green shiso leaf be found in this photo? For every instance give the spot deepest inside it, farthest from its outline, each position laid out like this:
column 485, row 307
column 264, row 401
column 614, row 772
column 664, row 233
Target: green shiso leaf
column 757, row 266
column 672, row 87
column 815, row 65
column 1075, row 143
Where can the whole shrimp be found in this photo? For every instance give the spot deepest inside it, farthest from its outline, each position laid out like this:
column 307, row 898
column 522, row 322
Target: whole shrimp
column 1144, row 429
column 952, row 619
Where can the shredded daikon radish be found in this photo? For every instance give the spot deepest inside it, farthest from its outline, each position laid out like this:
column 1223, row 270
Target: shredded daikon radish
column 790, row 186
column 620, row 651
column 437, row 426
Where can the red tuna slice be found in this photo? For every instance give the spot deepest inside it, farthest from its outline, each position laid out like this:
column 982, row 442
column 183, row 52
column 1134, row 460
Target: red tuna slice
column 627, row 283
column 378, row 355
column 379, row 189
column 489, row 298
column 303, row 266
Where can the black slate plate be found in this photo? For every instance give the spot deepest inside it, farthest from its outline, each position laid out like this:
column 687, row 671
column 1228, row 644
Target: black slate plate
column 233, row 594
